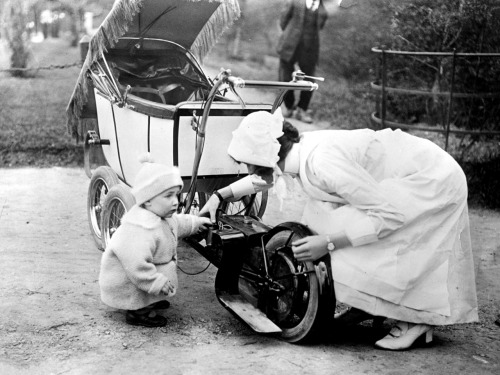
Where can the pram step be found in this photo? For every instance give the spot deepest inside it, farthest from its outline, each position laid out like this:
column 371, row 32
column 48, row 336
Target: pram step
column 255, row 318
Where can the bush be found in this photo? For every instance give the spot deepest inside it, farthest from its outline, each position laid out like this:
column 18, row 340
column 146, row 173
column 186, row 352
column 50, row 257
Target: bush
column 349, row 36
column 464, row 26
column 483, row 182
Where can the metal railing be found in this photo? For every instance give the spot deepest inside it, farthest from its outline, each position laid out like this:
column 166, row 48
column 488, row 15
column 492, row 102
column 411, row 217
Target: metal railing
column 382, row 89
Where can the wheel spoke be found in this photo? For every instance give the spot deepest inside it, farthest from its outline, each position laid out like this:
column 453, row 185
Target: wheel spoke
column 289, row 293
column 287, row 243
column 292, row 274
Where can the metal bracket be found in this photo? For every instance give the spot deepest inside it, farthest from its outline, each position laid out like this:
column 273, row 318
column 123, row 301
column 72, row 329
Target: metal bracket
column 93, row 139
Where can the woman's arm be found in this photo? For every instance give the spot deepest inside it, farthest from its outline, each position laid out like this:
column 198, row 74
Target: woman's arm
column 314, row 247
column 248, row 185
column 336, row 171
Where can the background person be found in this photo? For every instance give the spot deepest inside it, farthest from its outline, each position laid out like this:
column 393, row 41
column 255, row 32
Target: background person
column 389, row 207
column 139, row 266
column 301, row 21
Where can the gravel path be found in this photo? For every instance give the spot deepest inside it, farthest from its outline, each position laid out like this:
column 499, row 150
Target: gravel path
column 54, row 323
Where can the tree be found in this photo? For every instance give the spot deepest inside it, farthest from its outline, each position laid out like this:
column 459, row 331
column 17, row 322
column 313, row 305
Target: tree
column 13, row 22
column 16, row 14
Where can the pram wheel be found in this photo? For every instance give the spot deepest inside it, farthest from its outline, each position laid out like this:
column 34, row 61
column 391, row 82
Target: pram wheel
column 118, row 201
column 102, row 180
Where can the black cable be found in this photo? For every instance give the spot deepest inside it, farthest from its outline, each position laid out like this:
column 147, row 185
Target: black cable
column 196, row 273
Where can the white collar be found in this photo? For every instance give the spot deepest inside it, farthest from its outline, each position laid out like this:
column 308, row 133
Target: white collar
column 312, row 4
column 141, row 217
column 292, row 160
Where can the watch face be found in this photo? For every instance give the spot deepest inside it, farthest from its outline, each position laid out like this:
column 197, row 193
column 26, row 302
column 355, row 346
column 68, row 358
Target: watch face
column 330, row 246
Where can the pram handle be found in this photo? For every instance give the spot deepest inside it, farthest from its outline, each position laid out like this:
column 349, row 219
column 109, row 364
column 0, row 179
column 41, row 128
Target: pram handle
column 225, row 77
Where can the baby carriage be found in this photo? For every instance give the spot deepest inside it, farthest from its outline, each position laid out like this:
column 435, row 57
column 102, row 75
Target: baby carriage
column 142, row 89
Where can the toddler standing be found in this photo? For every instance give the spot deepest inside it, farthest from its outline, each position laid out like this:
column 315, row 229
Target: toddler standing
column 138, row 267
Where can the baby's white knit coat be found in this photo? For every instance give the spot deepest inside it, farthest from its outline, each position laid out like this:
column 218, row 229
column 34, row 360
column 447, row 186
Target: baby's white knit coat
column 141, row 257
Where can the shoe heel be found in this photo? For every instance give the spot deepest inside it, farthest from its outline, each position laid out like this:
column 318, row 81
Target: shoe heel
column 428, row 336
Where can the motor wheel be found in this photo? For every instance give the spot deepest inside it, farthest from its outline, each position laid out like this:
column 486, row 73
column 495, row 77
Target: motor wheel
column 118, row 201
column 102, row 180
column 293, row 302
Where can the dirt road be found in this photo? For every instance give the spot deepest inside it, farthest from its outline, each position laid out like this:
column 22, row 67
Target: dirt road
column 53, row 322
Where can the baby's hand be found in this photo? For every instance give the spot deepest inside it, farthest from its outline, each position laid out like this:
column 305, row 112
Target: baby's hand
column 167, row 288
column 203, row 224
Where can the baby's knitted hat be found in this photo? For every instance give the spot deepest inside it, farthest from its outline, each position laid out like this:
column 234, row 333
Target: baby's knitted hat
column 153, row 179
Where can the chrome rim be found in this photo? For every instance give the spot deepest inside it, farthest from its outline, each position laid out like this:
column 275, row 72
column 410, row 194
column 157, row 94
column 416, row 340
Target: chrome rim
column 113, row 218
column 100, row 191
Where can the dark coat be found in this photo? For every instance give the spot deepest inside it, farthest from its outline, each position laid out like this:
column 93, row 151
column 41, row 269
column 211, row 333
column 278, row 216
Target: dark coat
column 291, row 22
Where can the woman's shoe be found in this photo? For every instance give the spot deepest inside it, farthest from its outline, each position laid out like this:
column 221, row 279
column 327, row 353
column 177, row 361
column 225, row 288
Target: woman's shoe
column 403, row 335
column 145, row 320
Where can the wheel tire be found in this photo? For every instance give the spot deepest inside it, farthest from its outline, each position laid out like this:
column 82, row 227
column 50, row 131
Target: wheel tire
column 302, row 295
column 118, row 201
column 102, row 180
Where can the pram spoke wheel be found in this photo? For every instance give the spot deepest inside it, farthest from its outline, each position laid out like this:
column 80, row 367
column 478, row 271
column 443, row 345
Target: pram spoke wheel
column 103, row 179
column 118, row 201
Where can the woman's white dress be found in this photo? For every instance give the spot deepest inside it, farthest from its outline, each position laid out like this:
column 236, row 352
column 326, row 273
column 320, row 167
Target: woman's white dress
column 402, row 201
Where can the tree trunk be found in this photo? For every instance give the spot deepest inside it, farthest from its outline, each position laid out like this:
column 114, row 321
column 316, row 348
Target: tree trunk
column 17, row 37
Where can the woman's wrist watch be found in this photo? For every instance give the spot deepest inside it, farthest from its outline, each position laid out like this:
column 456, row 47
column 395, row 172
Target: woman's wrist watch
column 329, row 244
column 217, row 194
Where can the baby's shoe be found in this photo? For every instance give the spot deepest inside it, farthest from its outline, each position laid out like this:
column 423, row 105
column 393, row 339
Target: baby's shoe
column 145, row 320
column 160, row 305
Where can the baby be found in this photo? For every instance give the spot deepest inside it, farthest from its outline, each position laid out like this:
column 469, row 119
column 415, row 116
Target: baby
column 138, row 267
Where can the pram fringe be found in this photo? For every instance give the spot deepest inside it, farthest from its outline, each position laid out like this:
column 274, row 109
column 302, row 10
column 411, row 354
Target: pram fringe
column 113, row 27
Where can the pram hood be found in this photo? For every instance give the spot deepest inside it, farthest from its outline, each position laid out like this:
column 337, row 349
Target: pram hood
column 193, row 24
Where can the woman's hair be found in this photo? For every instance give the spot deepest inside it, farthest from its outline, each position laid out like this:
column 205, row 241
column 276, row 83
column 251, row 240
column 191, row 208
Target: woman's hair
column 290, row 136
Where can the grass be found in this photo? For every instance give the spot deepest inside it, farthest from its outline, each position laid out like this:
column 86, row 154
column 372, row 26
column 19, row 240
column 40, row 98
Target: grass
column 32, row 113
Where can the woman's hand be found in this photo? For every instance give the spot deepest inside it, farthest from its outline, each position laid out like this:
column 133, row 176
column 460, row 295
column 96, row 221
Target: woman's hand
column 211, row 207
column 309, row 248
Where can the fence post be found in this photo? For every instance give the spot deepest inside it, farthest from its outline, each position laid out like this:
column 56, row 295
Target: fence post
column 450, row 100
column 384, row 79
